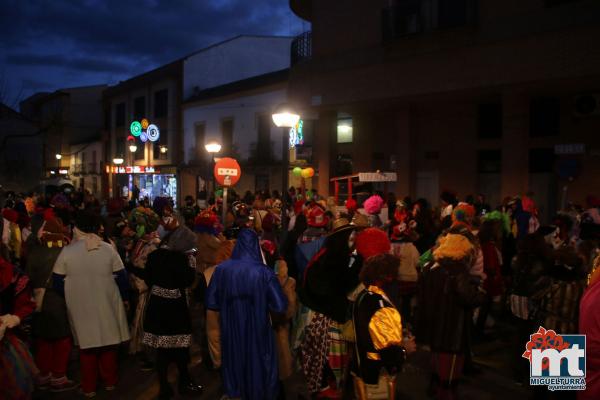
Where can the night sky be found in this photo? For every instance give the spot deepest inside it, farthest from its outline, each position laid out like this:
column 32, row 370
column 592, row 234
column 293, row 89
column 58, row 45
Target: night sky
column 49, row 44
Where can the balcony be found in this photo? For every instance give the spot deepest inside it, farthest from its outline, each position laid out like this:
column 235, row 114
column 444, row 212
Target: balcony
column 417, row 16
column 301, row 48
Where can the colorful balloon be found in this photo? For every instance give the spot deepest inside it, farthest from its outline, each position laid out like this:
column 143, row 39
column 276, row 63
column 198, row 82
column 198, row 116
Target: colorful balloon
column 309, row 173
column 135, row 128
column 297, row 171
column 305, row 173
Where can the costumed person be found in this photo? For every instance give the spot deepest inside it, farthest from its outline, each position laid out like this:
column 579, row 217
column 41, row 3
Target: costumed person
column 317, row 224
column 403, row 237
column 17, row 368
column 189, row 211
column 448, row 201
column 490, row 240
column 167, row 322
column 327, row 281
column 380, row 346
column 589, row 325
column 447, row 296
column 244, row 291
column 91, row 275
column 373, row 206
column 281, row 323
column 11, row 235
column 50, row 325
column 213, row 331
column 145, row 223
column 351, row 207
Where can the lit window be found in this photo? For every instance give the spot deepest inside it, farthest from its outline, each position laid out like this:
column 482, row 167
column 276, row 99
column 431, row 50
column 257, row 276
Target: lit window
column 344, row 130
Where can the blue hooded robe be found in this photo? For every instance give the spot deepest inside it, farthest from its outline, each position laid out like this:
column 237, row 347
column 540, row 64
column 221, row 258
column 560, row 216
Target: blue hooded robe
column 244, row 290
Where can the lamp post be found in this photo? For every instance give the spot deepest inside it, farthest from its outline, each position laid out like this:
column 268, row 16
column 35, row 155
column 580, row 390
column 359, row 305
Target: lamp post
column 212, row 148
column 285, row 117
column 58, row 158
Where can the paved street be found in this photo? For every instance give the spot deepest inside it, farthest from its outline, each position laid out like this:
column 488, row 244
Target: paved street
column 494, row 382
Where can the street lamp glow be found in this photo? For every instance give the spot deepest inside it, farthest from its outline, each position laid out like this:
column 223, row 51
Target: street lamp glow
column 163, row 149
column 213, row 147
column 132, row 148
column 285, row 117
column 58, row 156
column 118, row 160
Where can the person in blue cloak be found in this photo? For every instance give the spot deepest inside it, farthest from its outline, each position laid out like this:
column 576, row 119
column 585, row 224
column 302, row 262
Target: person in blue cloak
column 244, row 291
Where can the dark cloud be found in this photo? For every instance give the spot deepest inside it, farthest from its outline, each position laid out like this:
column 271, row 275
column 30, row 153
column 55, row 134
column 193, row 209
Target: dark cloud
column 82, row 42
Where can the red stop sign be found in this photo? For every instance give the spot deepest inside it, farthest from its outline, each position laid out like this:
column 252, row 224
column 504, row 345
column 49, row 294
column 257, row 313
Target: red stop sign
column 227, row 171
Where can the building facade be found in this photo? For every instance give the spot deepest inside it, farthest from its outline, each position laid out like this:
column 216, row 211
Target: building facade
column 20, row 151
column 141, row 162
column 64, row 117
column 230, row 90
column 473, row 96
column 87, row 167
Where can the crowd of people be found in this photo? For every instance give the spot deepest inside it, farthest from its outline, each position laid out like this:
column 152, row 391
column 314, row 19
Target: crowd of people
column 286, row 284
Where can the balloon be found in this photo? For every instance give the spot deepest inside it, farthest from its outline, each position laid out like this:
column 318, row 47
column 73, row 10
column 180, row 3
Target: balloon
column 305, row 173
column 297, row 171
column 310, row 172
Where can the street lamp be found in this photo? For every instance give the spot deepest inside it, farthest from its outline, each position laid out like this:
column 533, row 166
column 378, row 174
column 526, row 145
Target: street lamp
column 58, row 156
column 132, row 148
column 212, row 148
column 118, row 160
column 285, row 117
column 163, row 149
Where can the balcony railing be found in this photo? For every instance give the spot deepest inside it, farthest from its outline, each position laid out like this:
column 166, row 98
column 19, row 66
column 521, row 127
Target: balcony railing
column 301, row 48
column 417, row 16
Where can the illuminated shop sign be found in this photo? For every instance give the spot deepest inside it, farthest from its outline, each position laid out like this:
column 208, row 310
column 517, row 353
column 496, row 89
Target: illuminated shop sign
column 135, row 169
column 297, row 134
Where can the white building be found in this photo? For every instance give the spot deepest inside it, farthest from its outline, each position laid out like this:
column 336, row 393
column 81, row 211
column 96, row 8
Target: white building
column 86, row 168
column 230, row 90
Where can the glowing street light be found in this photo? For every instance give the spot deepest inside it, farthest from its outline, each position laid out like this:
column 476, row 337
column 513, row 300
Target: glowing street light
column 163, row 149
column 285, row 117
column 213, row 147
column 118, row 160
column 58, row 156
column 132, row 148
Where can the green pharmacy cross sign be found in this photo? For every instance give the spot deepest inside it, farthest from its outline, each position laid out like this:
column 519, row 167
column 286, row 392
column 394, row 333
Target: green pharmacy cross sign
column 144, row 130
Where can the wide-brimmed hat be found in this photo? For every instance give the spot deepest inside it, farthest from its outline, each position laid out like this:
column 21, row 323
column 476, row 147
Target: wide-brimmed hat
column 360, row 221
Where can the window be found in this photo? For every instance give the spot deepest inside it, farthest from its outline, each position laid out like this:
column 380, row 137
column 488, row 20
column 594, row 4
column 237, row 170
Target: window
column 344, row 130
column 544, row 117
column 227, row 136
column 140, row 151
column 489, row 161
column 93, row 163
column 120, row 115
column 489, row 121
column 161, row 103
column 200, row 135
column 120, row 147
column 139, row 108
column 263, row 147
column 541, row 160
column 343, row 164
column 161, row 145
column 95, row 185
